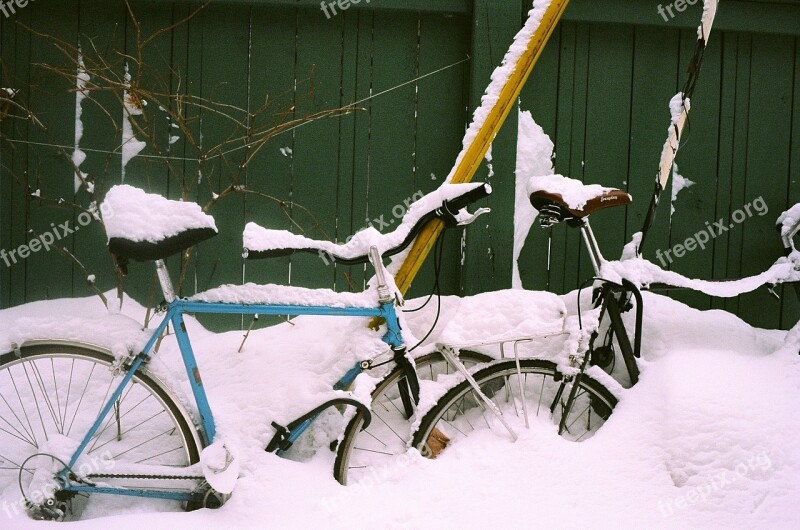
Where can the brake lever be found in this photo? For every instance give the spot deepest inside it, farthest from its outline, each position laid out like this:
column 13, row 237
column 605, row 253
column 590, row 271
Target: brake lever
column 464, row 217
column 771, row 289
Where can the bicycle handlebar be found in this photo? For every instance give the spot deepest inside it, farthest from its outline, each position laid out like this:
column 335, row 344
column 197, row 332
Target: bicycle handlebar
column 446, row 212
column 459, row 203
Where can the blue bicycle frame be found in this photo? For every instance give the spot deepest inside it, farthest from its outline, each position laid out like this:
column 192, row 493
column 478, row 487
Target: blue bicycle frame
column 176, row 308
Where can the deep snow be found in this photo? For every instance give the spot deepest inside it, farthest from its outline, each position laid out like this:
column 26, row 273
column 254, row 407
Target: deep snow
column 707, row 438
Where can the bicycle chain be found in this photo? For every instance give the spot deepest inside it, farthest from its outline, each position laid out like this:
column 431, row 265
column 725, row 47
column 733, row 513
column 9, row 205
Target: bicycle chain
column 133, row 476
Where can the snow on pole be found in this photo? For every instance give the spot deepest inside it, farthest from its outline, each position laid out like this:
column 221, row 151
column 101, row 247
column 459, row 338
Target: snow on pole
column 498, row 100
column 679, row 183
column 679, row 111
column 500, row 95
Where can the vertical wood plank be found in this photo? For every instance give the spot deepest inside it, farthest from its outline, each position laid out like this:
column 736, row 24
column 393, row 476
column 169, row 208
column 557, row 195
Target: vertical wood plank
column 346, row 130
column 356, row 276
column 16, row 62
column 790, row 309
column 654, row 83
column 566, row 276
column 767, row 171
column 394, row 62
column 488, row 260
column 102, row 40
column 49, row 172
column 272, row 75
column 607, row 131
column 316, row 145
column 726, row 146
column 224, row 81
column 441, row 114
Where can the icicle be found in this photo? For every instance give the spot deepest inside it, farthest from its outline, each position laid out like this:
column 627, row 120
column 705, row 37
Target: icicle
column 78, row 156
column 131, row 107
column 534, row 158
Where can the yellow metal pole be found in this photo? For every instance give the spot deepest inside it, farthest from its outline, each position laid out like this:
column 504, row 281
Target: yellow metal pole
column 480, row 145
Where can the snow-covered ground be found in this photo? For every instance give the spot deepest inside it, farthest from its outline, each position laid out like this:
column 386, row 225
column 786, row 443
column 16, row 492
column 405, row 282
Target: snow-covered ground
column 708, row 438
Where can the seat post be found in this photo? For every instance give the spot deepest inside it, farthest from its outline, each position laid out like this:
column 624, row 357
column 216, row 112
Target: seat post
column 591, row 245
column 165, row 281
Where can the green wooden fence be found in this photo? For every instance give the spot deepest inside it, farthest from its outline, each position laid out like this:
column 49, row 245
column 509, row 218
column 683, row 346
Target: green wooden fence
column 600, row 91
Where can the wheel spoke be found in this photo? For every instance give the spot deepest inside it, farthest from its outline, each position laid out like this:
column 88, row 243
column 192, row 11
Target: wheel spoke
column 80, row 401
column 57, row 393
column 29, row 438
column 541, row 382
column 115, row 419
column 35, row 400
column 360, row 450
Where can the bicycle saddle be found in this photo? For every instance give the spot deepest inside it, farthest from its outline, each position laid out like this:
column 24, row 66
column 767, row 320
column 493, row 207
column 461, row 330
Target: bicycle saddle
column 573, row 196
column 444, row 203
column 147, row 227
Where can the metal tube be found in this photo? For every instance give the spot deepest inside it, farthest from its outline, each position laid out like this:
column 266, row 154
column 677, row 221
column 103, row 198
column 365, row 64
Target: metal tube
column 592, row 246
column 165, row 281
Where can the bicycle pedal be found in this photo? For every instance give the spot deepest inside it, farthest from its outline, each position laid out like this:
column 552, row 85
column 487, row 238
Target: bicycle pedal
column 49, row 510
column 220, row 468
column 214, row 500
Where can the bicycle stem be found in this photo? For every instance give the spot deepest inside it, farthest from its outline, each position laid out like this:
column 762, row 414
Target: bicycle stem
column 383, row 291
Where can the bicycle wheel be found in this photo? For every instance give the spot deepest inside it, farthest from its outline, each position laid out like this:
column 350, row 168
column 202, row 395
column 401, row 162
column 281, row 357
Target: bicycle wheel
column 362, row 452
column 51, row 394
column 460, row 412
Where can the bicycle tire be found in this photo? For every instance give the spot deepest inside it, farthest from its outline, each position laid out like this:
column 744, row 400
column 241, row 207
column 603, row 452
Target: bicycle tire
column 51, row 394
column 361, row 451
column 460, row 412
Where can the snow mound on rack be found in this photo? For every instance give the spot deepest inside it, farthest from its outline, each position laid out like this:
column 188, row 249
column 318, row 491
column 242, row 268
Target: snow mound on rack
column 130, row 213
column 489, row 317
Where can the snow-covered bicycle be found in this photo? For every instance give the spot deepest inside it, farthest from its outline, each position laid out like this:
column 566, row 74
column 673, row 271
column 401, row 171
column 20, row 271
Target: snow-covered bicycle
column 573, row 392
column 65, row 406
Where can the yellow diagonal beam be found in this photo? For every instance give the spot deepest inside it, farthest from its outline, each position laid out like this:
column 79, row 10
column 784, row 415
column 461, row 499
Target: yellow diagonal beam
column 480, row 145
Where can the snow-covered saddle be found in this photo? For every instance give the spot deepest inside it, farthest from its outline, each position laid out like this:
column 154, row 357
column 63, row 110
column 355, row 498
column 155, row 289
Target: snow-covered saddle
column 146, row 227
column 572, row 198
